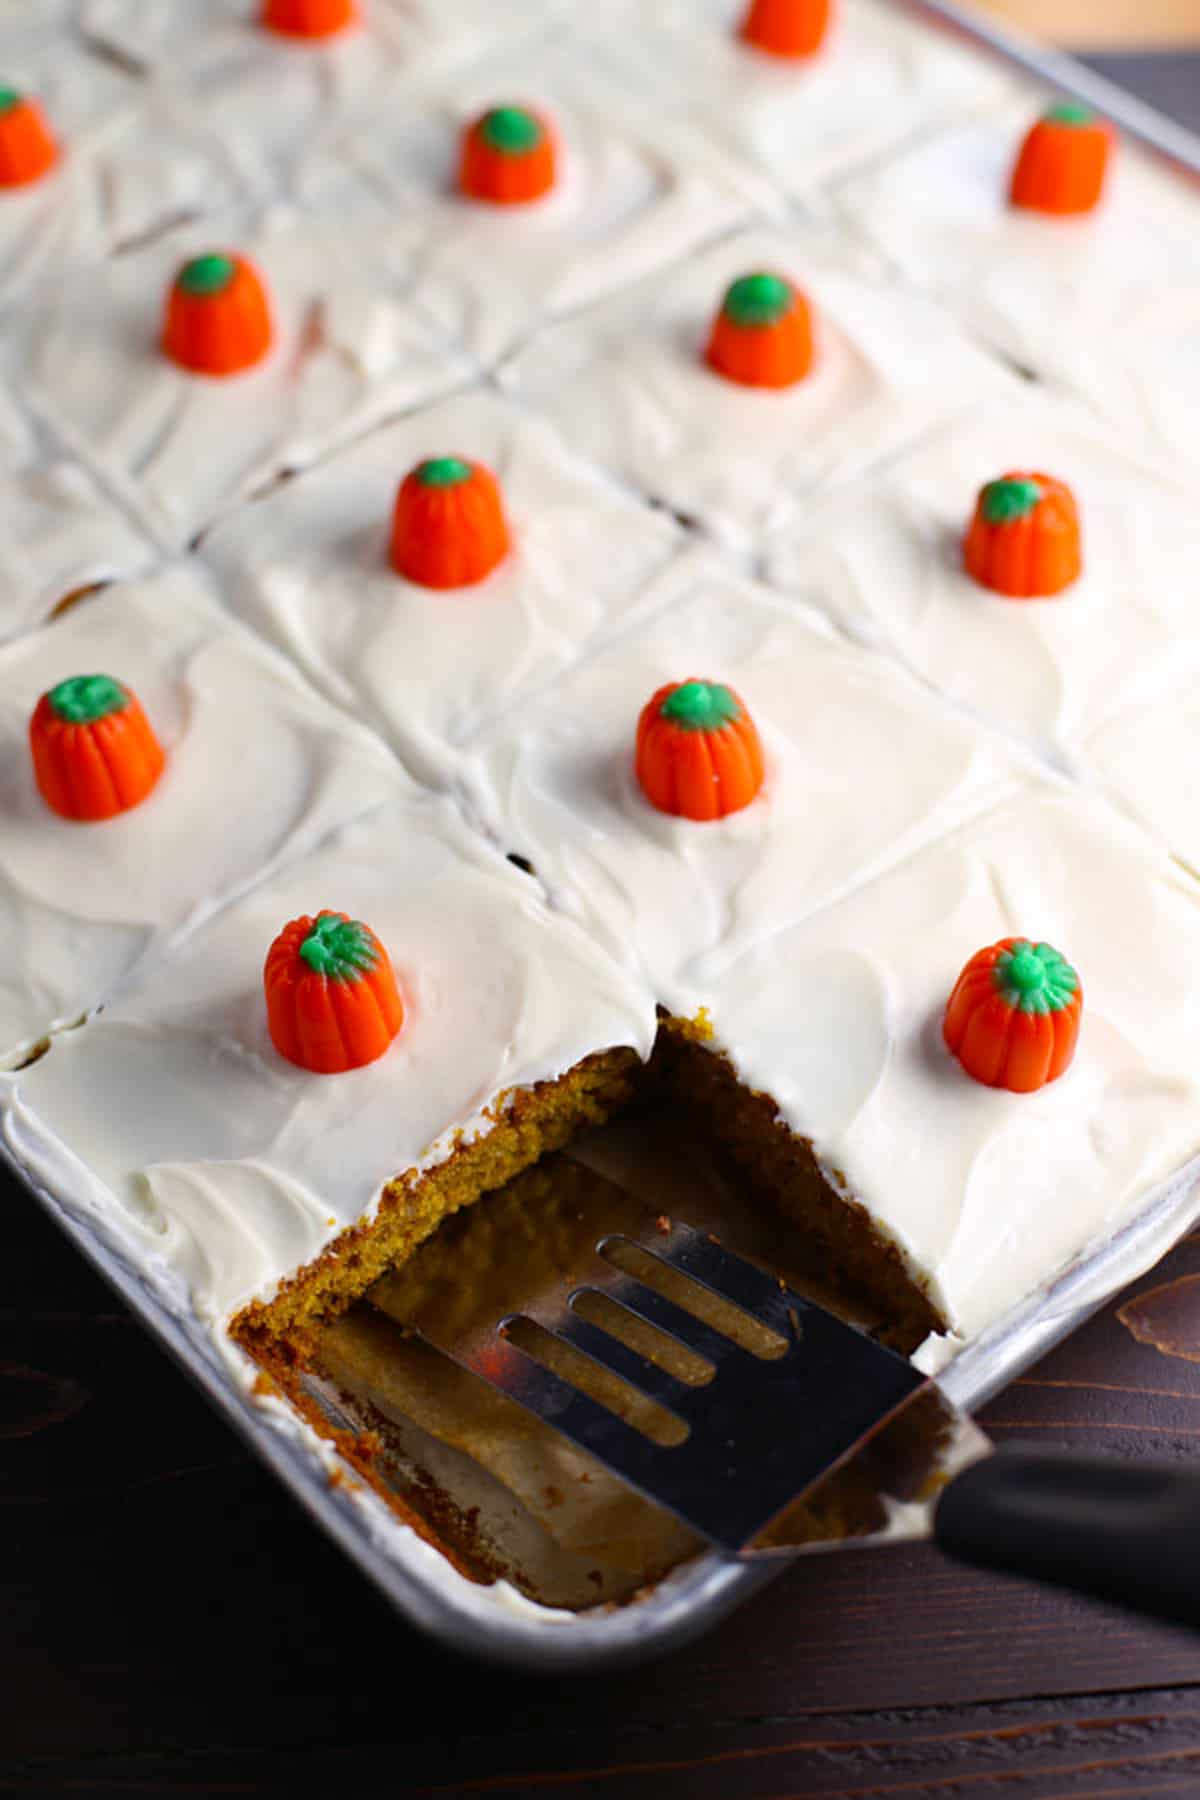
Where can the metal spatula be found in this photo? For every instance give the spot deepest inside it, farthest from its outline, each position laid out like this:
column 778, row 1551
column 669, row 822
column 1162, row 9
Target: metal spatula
column 770, row 1426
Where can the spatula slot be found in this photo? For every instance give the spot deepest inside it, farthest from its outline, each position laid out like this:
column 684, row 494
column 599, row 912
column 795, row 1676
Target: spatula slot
column 712, row 1309
column 596, row 1379
column 666, row 1353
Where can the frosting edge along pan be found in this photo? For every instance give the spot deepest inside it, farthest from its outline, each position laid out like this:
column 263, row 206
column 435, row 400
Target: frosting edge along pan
column 496, row 1622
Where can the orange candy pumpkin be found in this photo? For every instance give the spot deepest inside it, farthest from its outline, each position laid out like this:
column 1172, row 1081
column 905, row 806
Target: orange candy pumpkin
column 762, row 336
column 332, row 999
column 27, row 147
column 94, row 751
column 218, row 318
column 448, row 529
column 309, row 18
column 508, row 157
column 787, row 27
column 1063, row 162
column 1012, row 1019
column 1024, row 538
column 698, row 751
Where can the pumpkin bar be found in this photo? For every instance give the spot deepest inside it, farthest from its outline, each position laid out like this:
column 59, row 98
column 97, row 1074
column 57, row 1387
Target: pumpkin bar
column 986, row 1168
column 908, row 561
column 182, row 442
column 256, row 766
column 278, row 1180
column 1094, row 298
column 858, row 767
column 432, row 574
column 636, row 384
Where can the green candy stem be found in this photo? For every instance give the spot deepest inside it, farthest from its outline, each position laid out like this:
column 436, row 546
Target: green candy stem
column 206, row 274
column 443, row 471
column 1035, row 978
column 83, row 699
column 1004, row 501
column 340, row 949
column 511, row 130
column 700, row 706
column 1070, row 112
column 9, row 97
column 758, row 300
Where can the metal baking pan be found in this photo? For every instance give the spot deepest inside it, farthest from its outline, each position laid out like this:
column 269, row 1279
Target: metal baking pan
column 496, row 1622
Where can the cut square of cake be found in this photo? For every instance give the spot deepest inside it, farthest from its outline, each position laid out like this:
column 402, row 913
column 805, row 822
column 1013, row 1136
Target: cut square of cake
column 886, row 559
column 1079, row 296
column 605, row 192
column 314, row 566
column 875, row 79
column 828, row 1074
column 251, row 767
column 277, row 1193
column 632, row 382
column 336, row 350
column 861, row 766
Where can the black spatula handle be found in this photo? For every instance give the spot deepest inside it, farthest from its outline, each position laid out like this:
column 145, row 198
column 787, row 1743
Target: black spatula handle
column 1109, row 1529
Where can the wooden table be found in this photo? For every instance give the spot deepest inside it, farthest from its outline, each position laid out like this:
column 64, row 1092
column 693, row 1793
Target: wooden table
column 173, row 1623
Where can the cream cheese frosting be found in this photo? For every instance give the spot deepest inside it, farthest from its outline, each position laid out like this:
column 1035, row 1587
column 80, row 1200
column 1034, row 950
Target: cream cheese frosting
column 862, row 766
column 878, row 78
column 130, row 164
column 259, row 767
column 634, row 193
column 628, row 383
column 308, row 566
column 174, row 35
column 240, row 1167
column 987, row 1193
column 1146, row 758
column 883, row 558
column 60, row 535
column 1065, row 297
column 182, row 448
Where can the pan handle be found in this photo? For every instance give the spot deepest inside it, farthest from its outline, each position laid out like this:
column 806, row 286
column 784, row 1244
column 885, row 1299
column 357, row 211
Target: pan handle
column 1113, row 1530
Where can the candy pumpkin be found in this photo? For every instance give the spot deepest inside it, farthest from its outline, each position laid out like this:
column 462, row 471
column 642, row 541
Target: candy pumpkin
column 787, row 27
column 508, row 157
column 332, row 1000
column 448, row 529
column 309, row 18
column 94, row 750
column 27, row 147
column 1062, row 162
column 1024, row 537
column 218, row 318
column 698, row 751
column 762, row 335
column 1012, row 1019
